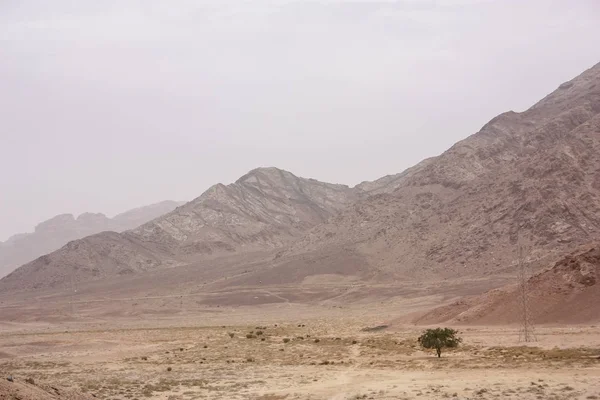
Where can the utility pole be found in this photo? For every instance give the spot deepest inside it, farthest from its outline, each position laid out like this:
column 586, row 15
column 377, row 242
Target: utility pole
column 526, row 333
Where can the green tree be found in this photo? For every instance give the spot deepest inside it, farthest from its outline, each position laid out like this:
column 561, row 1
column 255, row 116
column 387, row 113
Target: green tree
column 439, row 338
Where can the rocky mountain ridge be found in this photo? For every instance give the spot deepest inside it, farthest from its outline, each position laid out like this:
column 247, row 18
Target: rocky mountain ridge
column 55, row 232
column 263, row 210
column 529, row 178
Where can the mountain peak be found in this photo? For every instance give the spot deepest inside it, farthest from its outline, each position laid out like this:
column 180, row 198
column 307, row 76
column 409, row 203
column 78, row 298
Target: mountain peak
column 268, row 172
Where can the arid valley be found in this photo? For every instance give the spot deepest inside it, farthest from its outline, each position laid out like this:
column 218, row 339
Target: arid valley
column 384, row 200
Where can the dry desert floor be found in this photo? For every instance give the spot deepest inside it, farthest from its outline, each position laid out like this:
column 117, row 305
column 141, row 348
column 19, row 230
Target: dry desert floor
column 281, row 352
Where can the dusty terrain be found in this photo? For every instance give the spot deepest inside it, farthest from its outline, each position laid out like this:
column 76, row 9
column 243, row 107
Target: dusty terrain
column 290, row 351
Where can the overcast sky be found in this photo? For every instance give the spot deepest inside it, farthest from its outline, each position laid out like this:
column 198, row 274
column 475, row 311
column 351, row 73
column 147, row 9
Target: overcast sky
column 109, row 105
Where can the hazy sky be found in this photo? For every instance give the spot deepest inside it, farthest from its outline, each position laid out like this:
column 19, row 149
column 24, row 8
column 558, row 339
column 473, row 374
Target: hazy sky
column 109, row 105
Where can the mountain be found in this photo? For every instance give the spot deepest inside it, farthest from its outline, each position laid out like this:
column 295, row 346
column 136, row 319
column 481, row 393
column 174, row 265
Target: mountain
column 566, row 293
column 264, row 210
column 531, row 178
column 527, row 178
column 57, row 231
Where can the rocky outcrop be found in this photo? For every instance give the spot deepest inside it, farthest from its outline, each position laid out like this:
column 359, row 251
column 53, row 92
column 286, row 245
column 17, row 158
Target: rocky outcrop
column 566, row 293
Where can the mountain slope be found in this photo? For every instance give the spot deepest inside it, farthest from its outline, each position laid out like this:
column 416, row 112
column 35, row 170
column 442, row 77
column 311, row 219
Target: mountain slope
column 532, row 176
column 566, row 293
column 263, row 210
column 54, row 233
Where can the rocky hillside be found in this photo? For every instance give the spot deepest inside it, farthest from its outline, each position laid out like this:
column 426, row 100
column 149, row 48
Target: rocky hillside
column 532, row 176
column 566, row 293
column 54, row 233
column 263, row 210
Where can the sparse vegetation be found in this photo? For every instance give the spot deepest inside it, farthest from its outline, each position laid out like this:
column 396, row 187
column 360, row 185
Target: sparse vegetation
column 254, row 367
column 286, row 340
column 439, row 339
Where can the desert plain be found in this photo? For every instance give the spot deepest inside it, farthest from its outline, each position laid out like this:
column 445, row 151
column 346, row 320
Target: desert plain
column 119, row 349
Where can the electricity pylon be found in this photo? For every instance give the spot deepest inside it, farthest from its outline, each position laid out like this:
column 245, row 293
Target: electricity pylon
column 526, row 333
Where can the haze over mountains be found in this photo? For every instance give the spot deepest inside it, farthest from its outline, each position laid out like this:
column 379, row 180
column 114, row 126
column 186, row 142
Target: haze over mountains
column 54, row 233
column 531, row 178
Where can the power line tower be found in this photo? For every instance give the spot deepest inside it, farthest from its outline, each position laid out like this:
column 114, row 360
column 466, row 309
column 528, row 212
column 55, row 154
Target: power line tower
column 526, row 333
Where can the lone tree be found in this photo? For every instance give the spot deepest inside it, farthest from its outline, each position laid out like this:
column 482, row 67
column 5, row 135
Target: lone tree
column 439, row 338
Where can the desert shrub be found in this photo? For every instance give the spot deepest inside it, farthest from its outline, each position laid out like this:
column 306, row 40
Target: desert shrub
column 439, row 339
column 259, row 333
column 286, row 340
column 317, row 340
column 354, row 342
column 30, row 381
column 169, row 369
column 250, row 336
column 231, row 335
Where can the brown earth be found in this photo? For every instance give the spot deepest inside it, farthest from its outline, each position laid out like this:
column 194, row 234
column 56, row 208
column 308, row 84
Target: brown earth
column 18, row 390
column 569, row 292
column 294, row 353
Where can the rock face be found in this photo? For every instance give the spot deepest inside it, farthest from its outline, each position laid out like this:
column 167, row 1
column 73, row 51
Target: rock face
column 263, row 210
column 566, row 293
column 56, row 232
column 532, row 177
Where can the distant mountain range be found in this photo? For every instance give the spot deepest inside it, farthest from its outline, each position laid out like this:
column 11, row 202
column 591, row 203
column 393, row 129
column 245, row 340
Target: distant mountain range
column 529, row 179
column 54, row 233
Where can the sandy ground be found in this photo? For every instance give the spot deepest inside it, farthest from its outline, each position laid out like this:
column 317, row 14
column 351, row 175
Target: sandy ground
column 297, row 352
